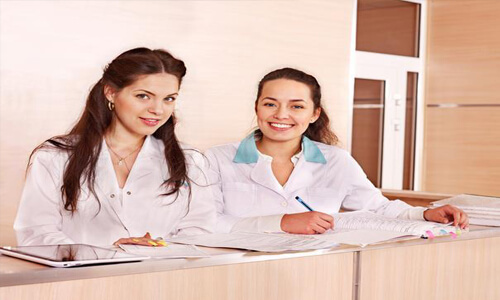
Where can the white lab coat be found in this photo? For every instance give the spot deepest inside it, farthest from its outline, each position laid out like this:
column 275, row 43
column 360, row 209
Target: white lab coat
column 129, row 212
column 249, row 197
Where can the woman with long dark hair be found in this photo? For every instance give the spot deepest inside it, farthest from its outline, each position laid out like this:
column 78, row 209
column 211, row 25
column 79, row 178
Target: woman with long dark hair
column 120, row 175
column 273, row 179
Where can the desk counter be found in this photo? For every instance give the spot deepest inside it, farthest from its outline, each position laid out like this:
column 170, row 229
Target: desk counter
column 444, row 268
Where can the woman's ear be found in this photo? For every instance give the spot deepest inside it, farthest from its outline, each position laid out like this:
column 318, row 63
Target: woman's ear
column 109, row 93
column 317, row 113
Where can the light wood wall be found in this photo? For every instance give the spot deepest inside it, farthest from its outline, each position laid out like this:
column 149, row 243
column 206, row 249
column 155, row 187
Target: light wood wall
column 51, row 52
column 462, row 144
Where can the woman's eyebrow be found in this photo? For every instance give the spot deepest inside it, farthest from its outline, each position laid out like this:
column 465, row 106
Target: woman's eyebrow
column 151, row 93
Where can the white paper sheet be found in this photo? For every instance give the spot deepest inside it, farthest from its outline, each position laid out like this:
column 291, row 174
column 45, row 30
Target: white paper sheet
column 265, row 242
column 360, row 237
column 169, row 251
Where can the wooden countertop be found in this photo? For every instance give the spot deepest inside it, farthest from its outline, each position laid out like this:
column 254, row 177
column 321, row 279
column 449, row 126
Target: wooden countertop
column 18, row 272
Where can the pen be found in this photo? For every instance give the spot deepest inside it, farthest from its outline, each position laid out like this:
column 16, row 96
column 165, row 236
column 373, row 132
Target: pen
column 303, row 203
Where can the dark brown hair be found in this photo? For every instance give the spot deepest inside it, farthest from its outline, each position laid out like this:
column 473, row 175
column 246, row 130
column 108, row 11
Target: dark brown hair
column 84, row 141
column 318, row 131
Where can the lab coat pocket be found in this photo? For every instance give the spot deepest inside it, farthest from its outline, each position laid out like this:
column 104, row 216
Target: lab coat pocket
column 239, row 198
column 327, row 200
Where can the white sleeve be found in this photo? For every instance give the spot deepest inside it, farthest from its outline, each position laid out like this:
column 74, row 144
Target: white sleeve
column 200, row 218
column 363, row 195
column 39, row 216
column 413, row 213
column 227, row 223
column 267, row 224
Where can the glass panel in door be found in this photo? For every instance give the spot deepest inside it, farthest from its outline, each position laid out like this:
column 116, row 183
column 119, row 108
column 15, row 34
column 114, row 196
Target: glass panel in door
column 410, row 131
column 388, row 26
column 368, row 127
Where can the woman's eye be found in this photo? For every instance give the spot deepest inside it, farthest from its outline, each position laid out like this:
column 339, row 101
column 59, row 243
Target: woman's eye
column 297, row 107
column 142, row 96
column 269, row 104
column 169, row 99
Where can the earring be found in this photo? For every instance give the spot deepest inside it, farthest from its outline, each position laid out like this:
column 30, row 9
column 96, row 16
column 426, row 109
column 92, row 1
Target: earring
column 111, row 105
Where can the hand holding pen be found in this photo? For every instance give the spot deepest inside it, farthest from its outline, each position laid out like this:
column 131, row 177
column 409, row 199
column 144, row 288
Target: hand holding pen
column 311, row 222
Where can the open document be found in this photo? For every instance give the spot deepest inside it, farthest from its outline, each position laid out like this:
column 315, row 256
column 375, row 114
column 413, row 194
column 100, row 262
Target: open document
column 265, row 242
column 168, row 251
column 363, row 228
column 353, row 228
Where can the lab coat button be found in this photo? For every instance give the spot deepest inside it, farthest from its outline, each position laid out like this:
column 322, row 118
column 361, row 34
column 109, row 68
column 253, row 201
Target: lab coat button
column 112, row 195
column 284, row 204
column 129, row 193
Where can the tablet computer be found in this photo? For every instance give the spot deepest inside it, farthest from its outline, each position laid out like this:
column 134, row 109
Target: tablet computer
column 70, row 255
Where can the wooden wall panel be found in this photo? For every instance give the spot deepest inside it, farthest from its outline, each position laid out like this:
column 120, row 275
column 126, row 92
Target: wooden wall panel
column 463, row 55
column 461, row 143
column 51, row 52
column 462, row 150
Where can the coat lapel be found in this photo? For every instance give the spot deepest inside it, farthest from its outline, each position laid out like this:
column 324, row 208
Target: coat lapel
column 144, row 162
column 301, row 177
column 107, row 183
column 263, row 175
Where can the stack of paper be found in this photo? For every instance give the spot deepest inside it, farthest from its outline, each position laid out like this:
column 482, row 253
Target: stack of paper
column 482, row 210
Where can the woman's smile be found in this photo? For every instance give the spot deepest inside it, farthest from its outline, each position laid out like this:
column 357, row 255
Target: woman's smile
column 280, row 126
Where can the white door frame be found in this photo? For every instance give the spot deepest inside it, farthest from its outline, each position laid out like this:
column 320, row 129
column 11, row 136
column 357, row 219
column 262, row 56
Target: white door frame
column 394, row 69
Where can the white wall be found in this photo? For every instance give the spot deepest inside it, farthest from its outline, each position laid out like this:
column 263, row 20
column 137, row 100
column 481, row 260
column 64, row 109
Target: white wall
column 51, row 52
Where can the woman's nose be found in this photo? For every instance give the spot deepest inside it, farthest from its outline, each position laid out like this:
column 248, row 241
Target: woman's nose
column 156, row 107
column 282, row 113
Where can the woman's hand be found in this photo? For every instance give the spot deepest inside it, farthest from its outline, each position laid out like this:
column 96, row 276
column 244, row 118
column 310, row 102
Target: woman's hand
column 446, row 214
column 146, row 240
column 307, row 223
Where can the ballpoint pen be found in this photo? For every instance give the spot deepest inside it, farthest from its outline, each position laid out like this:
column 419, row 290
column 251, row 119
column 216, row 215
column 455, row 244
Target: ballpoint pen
column 303, row 203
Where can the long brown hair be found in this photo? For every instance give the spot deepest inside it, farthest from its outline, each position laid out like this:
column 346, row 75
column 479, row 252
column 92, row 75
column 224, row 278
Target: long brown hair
column 318, row 131
column 84, row 141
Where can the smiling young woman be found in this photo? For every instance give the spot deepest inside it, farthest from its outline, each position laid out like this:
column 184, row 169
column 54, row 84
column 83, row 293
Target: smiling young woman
column 120, row 175
column 292, row 156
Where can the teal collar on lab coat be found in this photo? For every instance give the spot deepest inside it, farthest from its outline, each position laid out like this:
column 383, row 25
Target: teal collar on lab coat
column 247, row 151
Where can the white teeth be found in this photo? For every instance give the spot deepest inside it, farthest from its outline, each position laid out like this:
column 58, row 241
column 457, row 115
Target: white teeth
column 281, row 125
